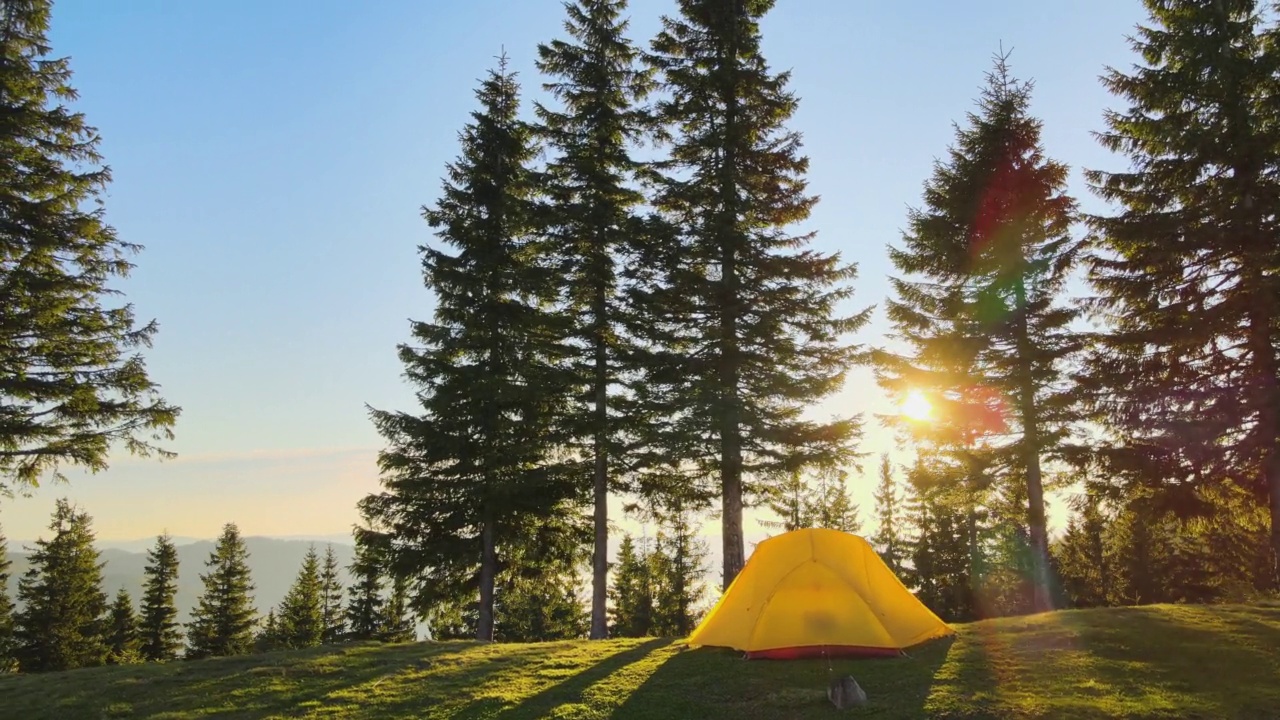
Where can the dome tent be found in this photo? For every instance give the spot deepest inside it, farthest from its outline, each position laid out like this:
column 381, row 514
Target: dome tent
column 815, row 592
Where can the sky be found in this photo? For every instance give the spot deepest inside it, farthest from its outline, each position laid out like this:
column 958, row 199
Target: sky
column 273, row 159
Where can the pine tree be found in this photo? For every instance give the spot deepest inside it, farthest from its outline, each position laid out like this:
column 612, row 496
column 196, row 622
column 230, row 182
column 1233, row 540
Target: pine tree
column 792, row 500
column 1185, row 272
column 364, row 597
column 990, row 253
column 301, row 619
column 888, row 539
column 596, row 79
column 678, row 564
column 1081, row 554
column 122, row 631
column 397, row 621
column 268, row 637
column 832, row 506
column 60, row 625
column 740, row 315
column 8, row 642
column 492, row 379
column 72, row 387
column 633, row 592
column 223, row 621
column 335, row 626
column 542, row 609
column 159, row 630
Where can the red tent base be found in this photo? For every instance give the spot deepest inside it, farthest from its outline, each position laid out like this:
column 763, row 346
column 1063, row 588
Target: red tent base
column 821, row 651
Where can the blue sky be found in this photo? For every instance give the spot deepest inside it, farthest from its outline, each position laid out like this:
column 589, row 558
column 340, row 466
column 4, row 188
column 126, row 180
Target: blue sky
column 273, row 156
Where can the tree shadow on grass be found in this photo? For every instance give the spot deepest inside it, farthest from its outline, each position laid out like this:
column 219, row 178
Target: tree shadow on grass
column 574, row 690
column 710, row 683
column 1212, row 662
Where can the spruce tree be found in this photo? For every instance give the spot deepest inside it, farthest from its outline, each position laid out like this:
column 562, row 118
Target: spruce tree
column 833, row 508
column 8, row 661
column 677, row 564
column 73, row 385
column 223, row 621
column 792, row 500
column 364, row 597
column 122, row 631
column 331, row 611
column 158, row 626
column 1081, row 555
column 268, row 637
column 1185, row 271
column 491, row 372
column 739, row 317
column 301, row 619
column 60, row 625
column 888, row 540
column 983, row 314
column 595, row 76
column 396, row 623
column 632, row 594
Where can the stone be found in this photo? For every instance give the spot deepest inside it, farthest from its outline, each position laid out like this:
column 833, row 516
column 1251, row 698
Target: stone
column 844, row 692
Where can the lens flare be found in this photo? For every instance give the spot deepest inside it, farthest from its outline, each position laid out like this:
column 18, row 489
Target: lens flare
column 916, row 406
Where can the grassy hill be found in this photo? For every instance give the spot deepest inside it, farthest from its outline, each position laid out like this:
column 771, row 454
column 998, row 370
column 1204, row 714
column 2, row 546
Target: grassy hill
column 1150, row 662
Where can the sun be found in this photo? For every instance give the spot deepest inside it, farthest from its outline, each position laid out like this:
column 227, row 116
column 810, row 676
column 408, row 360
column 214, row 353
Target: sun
column 916, row 406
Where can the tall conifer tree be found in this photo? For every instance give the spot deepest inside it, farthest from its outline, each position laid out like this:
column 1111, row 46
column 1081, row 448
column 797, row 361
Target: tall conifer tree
column 1188, row 270
column 984, row 316
column 158, row 627
column 741, row 314
column 491, row 371
column 596, row 77
column 61, row 623
column 73, row 384
column 223, row 621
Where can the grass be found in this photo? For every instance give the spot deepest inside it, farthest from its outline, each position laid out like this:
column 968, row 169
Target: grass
column 1164, row 661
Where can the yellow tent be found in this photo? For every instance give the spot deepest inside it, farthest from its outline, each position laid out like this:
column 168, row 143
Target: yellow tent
column 812, row 592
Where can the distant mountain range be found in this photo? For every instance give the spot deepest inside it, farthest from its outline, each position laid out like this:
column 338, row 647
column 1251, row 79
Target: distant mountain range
column 274, row 563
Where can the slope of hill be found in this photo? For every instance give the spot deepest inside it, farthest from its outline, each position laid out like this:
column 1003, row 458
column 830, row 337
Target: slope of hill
column 1150, row 662
column 274, row 563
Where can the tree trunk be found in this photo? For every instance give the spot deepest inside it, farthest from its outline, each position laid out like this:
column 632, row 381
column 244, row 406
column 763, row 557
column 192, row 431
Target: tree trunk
column 730, row 418
column 488, row 569
column 1041, row 599
column 600, row 558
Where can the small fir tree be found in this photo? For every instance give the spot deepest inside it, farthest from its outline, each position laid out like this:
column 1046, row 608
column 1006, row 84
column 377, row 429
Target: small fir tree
column 632, row 594
column 888, row 539
column 223, row 621
column 8, row 640
column 364, row 597
column 159, row 629
column 301, row 617
column 268, row 637
column 397, row 622
column 61, row 622
column 123, row 639
column 678, row 564
column 331, row 593
column 832, row 506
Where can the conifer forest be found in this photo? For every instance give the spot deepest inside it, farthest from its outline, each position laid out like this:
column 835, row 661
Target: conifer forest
column 627, row 309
